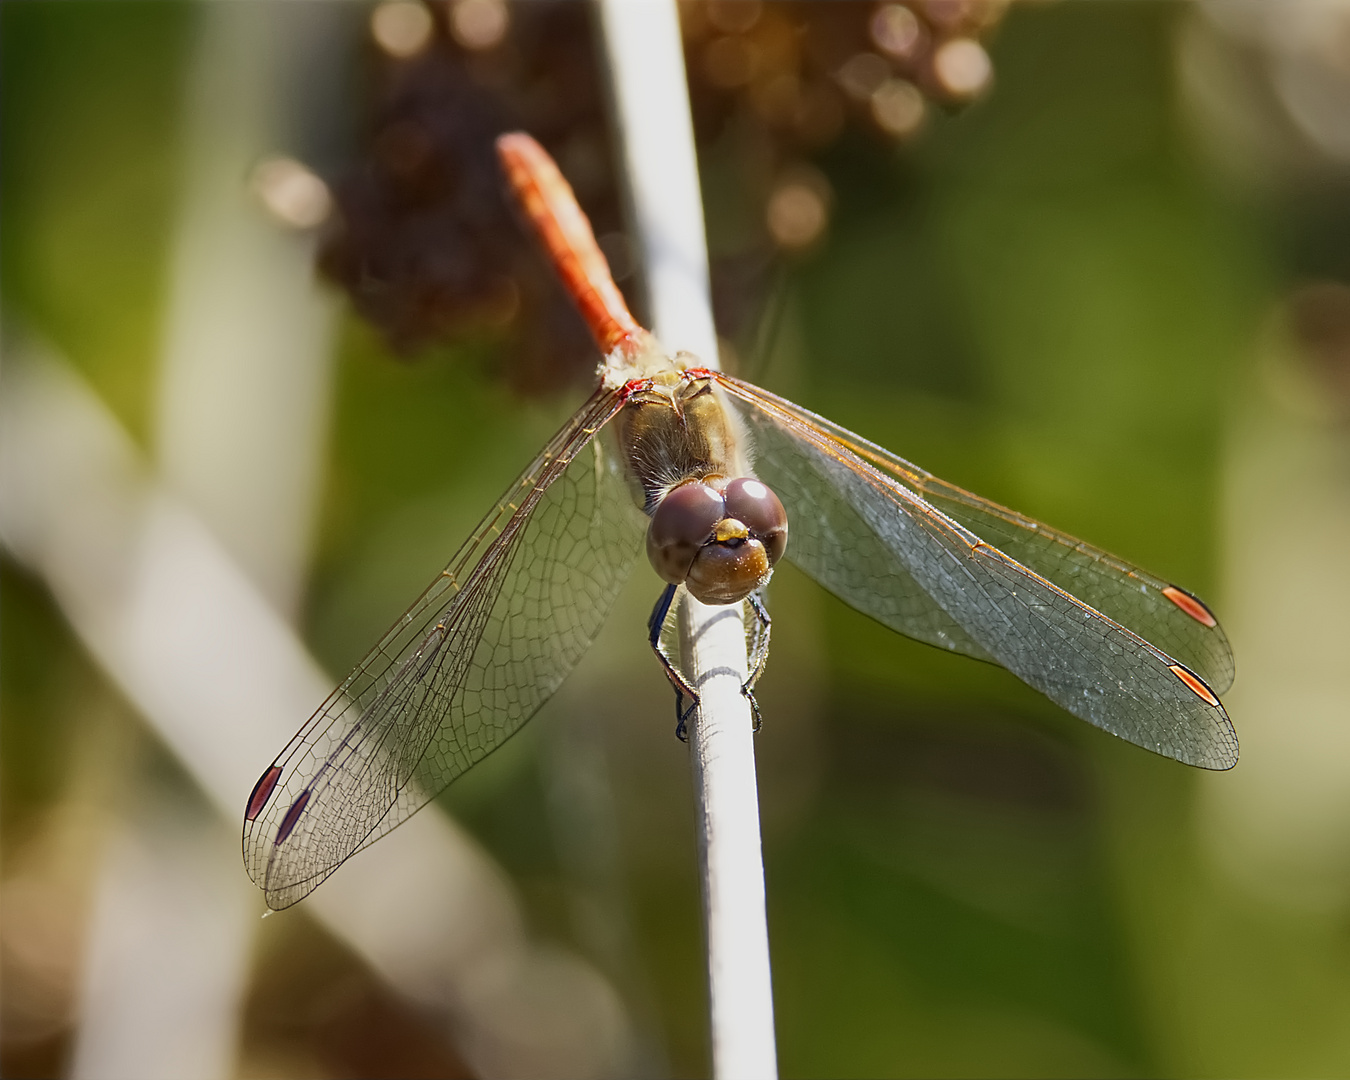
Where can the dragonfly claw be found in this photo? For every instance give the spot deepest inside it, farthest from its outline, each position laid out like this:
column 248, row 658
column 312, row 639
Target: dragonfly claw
column 682, row 715
column 748, row 690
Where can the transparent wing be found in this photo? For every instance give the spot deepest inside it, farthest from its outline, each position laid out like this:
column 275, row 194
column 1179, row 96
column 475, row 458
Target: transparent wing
column 1164, row 614
column 830, row 539
column 468, row 664
column 859, row 529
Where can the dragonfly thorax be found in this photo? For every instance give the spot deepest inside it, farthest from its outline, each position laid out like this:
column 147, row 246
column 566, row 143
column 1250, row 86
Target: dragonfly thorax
column 674, row 428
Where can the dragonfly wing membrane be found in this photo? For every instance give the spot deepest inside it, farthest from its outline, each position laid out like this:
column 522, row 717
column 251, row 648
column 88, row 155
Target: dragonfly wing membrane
column 471, row 661
column 1162, row 614
column 1078, row 657
column 832, row 543
column 1129, row 595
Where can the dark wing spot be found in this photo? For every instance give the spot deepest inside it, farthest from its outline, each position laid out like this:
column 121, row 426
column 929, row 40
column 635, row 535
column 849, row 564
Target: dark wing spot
column 262, row 791
column 1196, row 684
column 1191, row 605
column 292, row 816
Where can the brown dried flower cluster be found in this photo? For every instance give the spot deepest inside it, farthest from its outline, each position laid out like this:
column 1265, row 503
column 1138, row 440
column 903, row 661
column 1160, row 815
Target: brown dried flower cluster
column 422, row 238
column 429, row 251
column 804, row 69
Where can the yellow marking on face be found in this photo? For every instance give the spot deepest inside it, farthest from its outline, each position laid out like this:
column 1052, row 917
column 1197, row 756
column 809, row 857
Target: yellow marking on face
column 730, row 529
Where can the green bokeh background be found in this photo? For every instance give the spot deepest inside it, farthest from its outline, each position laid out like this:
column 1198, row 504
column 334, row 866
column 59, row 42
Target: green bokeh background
column 1050, row 300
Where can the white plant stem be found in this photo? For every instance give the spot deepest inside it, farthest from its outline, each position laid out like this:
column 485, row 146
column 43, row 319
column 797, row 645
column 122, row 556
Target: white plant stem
column 646, row 62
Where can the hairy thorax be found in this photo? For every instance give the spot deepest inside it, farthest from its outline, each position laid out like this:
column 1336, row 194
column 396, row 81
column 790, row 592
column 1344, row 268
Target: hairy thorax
column 675, row 431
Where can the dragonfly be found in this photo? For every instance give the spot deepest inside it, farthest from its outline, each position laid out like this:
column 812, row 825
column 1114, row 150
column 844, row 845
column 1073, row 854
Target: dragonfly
column 719, row 480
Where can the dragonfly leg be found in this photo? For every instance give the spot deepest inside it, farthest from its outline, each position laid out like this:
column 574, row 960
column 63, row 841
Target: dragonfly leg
column 758, row 649
column 759, row 652
column 758, row 638
column 682, row 687
column 756, row 717
column 682, row 716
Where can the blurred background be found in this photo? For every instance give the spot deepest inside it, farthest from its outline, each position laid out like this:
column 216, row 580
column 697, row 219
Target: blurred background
column 273, row 343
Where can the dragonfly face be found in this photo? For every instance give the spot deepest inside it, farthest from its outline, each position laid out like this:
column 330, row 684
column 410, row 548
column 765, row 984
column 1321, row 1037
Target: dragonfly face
column 500, row 628
column 718, row 538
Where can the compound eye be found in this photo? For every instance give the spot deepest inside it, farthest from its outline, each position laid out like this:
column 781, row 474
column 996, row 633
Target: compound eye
column 751, row 502
column 683, row 523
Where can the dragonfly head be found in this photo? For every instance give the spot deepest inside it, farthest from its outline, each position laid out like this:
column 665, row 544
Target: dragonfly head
column 719, row 538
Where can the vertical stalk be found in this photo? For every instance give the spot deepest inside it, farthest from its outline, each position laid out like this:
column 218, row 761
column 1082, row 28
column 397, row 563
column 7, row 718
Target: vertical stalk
column 646, row 63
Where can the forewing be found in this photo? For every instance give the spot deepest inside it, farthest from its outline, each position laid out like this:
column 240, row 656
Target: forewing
column 1167, row 616
column 830, row 539
column 1161, row 613
column 471, row 661
column 1075, row 655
